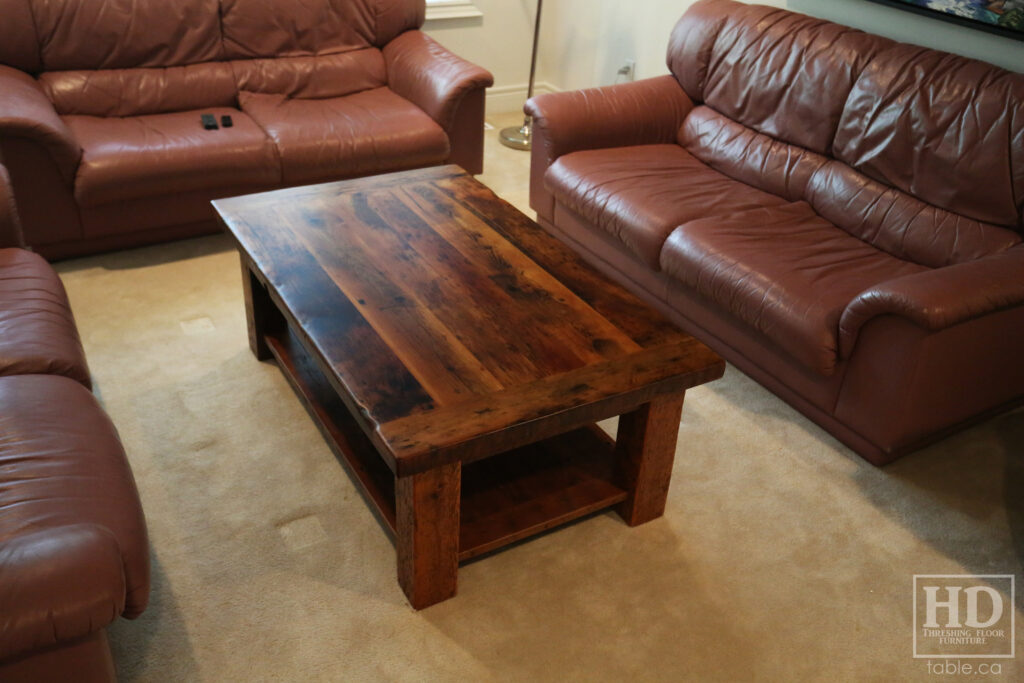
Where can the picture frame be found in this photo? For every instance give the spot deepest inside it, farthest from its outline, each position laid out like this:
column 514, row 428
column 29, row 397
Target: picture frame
column 1001, row 17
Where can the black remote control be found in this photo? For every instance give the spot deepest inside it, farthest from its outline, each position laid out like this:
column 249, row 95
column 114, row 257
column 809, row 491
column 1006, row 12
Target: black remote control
column 209, row 121
column 226, row 122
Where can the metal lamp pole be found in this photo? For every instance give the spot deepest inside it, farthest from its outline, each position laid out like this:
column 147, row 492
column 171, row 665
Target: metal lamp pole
column 520, row 138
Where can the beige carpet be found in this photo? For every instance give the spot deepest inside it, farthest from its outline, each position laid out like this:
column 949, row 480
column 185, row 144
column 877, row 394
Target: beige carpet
column 781, row 557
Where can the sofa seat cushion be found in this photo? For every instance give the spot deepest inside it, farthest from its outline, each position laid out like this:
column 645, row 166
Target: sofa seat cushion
column 37, row 331
column 785, row 271
column 342, row 137
column 641, row 194
column 159, row 154
column 61, row 464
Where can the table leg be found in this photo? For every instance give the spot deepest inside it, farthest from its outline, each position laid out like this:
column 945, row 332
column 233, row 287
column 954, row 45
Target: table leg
column 427, row 534
column 258, row 309
column 644, row 451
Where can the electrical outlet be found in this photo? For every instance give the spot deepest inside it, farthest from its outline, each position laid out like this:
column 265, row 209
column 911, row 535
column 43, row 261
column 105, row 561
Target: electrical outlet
column 627, row 72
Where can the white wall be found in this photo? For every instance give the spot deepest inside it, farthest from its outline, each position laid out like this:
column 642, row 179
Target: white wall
column 584, row 42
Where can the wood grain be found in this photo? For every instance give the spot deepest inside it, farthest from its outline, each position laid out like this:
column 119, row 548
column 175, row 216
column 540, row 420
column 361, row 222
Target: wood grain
column 545, row 302
column 510, row 418
column 423, row 294
column 531, row 489
column 645, row 450
column 427, row 534
column 455, row 356
column 639, row 320
column 432, row 353
column 348, row 349
column 258, row 310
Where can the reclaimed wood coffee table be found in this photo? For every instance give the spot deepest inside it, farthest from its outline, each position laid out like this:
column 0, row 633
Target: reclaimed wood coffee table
column 455, row 357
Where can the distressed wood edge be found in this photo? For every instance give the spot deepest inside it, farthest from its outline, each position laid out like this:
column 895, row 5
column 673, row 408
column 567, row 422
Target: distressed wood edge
column 467, row 442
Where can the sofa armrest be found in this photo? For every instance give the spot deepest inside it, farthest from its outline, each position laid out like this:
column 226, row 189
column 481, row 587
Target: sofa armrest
column 940, row 298
column 10, row 225
column 26, row 112
column 57, row 585
column 646, row 112
column 431, row 77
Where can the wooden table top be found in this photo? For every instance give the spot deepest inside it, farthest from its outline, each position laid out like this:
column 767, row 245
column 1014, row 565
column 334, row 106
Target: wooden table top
column 452, row 324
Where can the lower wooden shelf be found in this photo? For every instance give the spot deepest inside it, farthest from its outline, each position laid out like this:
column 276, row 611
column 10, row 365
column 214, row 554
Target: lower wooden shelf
column 505, row 498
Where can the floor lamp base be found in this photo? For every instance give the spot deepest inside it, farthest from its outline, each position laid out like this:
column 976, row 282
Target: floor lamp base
column 517, row 137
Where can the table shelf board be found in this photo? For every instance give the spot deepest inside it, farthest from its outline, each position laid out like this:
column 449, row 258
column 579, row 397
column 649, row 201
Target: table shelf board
column 505, row 498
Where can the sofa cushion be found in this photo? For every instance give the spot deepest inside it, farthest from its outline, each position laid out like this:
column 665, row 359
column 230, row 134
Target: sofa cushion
column 119, row 34
column 641, row 194
column 750, row 157
column 883, row 216
column 785, row 271
column 783, row 74
column 313, row 77
column 126, row 158
column 61, row 464
column 341, row 137
column 900, row 224
column 136, row 92
column 259, row 28
column 19, row 46
column 943, row 128
column 37, row 331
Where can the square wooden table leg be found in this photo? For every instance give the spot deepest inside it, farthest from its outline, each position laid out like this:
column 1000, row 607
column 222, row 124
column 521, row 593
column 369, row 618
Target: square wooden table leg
column 259, row 309
column 644, row 450
column 427, row 534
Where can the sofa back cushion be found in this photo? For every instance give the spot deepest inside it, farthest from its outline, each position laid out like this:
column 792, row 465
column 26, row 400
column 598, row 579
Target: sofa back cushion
column 75, row 35
column 783, row 74
column 917, row 152
column 750, row 157
column 262, row 28
column 136, row 92
column 901, row 224
column 118, row 34
column 942, row 128
column 19, row 47
column 885, row 217
column 313, row 77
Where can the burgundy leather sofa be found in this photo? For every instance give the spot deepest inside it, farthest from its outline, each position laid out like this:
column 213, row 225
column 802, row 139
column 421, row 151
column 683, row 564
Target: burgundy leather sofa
column 73, row 548
column 837, row 214
column 100, row 106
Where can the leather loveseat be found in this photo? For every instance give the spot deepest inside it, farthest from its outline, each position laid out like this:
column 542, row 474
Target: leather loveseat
column 100, row 105
column 73, row 548
column 837, row 214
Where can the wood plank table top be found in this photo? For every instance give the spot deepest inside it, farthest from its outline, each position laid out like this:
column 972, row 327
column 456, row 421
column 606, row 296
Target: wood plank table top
column 453, row 326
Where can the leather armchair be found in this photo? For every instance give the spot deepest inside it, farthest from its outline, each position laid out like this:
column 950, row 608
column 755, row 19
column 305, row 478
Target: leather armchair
column 840, row 217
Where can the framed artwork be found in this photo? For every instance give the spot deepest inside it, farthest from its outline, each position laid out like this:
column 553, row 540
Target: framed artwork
column 1005, row 17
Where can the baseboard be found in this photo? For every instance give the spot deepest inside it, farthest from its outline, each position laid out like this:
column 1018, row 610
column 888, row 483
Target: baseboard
column 511, row 98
